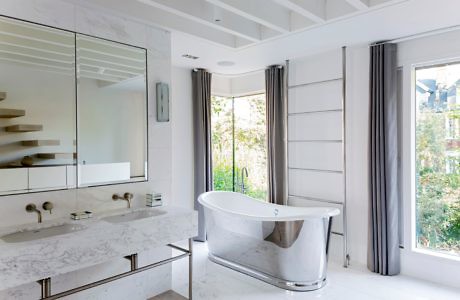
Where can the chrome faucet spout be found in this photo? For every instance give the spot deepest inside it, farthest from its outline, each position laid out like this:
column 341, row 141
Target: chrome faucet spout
column 33, row 208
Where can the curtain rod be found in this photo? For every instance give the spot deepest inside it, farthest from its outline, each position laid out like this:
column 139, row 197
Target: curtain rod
column 246, row 73
column 419, row 35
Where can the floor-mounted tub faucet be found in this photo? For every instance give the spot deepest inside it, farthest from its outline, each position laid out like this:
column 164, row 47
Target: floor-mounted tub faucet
column 244, row 172
column 126, row 196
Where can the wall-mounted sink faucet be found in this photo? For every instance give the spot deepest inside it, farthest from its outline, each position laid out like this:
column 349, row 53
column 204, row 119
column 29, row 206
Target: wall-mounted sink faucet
column 48, row 206
column 30, row 208
column 126, row 196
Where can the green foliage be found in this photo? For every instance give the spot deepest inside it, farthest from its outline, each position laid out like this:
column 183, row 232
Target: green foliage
column 239, row 124
column 438, row 194
column 222, row 177
column 223, row 181
column 452, row 231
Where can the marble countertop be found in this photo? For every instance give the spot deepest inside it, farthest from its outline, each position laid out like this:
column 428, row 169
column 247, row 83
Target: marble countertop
column 100, row 242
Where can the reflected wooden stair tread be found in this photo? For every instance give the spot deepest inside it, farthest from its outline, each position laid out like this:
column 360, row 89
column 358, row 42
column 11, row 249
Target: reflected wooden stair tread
column 37, row 143
column 6, row 113
column 19, row 165
column 56, row 155
column 24, row 128
column 2, row 96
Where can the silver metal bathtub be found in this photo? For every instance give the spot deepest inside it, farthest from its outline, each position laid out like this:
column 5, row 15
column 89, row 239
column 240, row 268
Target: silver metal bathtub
column 284, row 246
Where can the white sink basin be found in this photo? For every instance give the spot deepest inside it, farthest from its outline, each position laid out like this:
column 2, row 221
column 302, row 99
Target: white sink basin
column 133, row 215
column 41, row 233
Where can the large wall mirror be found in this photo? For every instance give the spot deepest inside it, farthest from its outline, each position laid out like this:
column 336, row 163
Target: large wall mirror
column 112, row 112
column 55, row 84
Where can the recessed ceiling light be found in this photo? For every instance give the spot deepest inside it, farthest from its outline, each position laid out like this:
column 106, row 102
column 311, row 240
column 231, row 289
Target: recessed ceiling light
column 189, row 56
column 226, row 63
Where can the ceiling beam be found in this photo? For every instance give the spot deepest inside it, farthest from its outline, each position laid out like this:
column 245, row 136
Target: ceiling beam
column 359, row 4
column 260, row 11
column 206, row 13
column 164, row 20
column 314, row 10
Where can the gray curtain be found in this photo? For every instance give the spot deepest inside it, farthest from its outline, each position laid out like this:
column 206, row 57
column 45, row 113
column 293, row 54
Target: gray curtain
column 276, row 134
column 383, row 244
column 201, row 89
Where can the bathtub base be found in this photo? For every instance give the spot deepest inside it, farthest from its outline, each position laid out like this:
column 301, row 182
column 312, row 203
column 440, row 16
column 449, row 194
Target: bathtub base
column 287, row 285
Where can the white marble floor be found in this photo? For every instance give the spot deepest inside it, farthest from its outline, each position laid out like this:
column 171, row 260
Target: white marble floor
column 212, row 281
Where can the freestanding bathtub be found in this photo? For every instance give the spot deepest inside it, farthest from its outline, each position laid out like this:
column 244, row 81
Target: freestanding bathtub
column 283, row 245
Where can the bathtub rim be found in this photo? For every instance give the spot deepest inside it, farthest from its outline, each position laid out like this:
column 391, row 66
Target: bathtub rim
column 305, row 212
column 281, row 283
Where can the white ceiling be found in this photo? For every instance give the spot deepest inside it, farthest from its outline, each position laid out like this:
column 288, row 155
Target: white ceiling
column 257, row 33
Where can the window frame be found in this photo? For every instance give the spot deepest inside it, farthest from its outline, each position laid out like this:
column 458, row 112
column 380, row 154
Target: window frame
column 408, row 163
column 232, row 97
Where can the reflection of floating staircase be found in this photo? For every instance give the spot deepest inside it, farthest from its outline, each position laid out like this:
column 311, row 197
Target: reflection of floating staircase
column 24, row 128
column 38, row 143
column 56, row 155
column 6, row 113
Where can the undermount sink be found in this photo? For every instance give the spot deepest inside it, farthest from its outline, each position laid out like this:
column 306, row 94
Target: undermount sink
column 41, row 233
column 132, row 216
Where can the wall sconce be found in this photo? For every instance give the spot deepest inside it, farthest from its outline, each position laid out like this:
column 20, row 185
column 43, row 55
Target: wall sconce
column 162, row 102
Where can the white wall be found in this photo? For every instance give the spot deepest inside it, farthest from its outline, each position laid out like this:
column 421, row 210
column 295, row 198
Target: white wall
column 357, row 133
column 328, row 156
column 69, row 16
column 315, row 165
column 182, row 137
column 238, row 85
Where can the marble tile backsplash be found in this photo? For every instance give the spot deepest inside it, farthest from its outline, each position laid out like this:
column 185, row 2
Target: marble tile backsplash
column 72, row 16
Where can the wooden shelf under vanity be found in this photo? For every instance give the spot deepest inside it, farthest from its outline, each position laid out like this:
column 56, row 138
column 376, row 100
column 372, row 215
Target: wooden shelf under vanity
column 38, row 143
column 24, row 128
column 7, row 113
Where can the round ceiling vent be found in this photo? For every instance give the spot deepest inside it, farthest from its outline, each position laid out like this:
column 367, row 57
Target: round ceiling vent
column 226, row 63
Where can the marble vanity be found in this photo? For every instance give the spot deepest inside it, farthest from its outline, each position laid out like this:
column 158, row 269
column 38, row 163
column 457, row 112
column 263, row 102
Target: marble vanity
column 106, row 236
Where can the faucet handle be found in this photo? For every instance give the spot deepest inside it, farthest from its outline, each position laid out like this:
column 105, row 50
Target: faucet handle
column 31, row 207
column 128, row 196
column 48, row 206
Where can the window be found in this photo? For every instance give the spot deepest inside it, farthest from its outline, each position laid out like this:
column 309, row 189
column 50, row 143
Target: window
column 238, row 130
column 437, row 96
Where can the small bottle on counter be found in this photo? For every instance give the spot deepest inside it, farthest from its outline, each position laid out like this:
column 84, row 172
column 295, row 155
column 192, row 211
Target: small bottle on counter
column 81, row 215
column 153, row 199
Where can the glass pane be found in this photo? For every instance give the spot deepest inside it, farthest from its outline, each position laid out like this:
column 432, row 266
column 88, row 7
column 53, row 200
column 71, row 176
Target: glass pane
column 37, row 107
column 438, row 158
column 222, row 142
column 250, row 145
column 112, row 112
